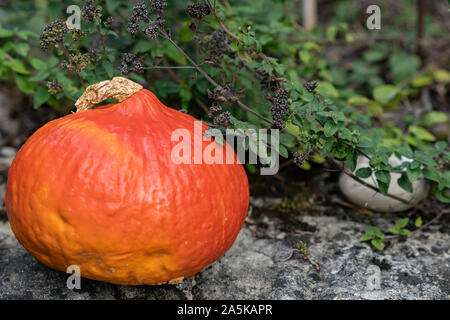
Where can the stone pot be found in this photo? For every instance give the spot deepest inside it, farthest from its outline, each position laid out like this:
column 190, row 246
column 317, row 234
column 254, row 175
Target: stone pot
column 368, row 198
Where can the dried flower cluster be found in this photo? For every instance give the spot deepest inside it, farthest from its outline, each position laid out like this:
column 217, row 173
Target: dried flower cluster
column 132, row 63
column 279, row 108
column 223, row 119
column 218, row 45
column 214, row 110
column 77, row 34
column 300, row 158
column 94, row 57
column 77, row 61
column 90, row 11
column 311, row 86
column 139, row 14
column 54, row 87
column 52, row 34
column 158, row 6
column 109, row 22
column 198, row 10
column 152, row 30
column 268, row 82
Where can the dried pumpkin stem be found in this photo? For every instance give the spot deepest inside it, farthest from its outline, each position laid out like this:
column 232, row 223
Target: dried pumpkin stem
column 118, row 88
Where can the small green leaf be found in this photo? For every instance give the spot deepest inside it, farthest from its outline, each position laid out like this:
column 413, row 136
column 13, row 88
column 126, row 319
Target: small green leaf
column 422, row 80
column 280, row 69
column 287, row 140
column 112, row 33
column 186, row 96
column 25, row 34
column 370, row 231
column 352, row 161
column 383, row 187
column 4, row 33
column 283, row 151
column 52, row 62
column 431, row 174
column 374, row 55
column 404, row 183
column 17, row 66
column 327, row 89
column 365, row 238
column 329, row 129
column 403, row 66
column 401, row 223
column 304, row 56
column 251, row 168
column 267, row 67
column 379, row 234
column 413, row 174
column 345, row 134
column 421, row 133
column 38, row 64
column 109, row 68
column 405, row 232
column 112, row 5
column 363, row 173
column 425, row 158
column 434, row 117
column 306, row 166
column 441, row 75
column 25, row 84
column 378, row 243
column 41, row 96
column 418, row 222
column 442, row 195
column 21, row 48
column 174, row 54
column 331, row 32
column 440, row 145
column 383, row 176
column 394, row 230
column 385, row 94
column 42, row 75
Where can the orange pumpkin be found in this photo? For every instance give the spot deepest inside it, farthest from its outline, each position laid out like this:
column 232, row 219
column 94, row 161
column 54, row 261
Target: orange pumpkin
column 98, row 189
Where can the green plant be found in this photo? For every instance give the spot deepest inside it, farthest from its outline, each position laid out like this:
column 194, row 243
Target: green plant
column 399, row 227
column 302, row 247
column 375, row 236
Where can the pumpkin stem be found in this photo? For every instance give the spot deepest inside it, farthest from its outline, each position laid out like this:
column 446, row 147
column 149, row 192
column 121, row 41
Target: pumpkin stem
column 118, row 88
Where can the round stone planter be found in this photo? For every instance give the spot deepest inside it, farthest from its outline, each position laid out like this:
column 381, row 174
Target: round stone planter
column 365, row 197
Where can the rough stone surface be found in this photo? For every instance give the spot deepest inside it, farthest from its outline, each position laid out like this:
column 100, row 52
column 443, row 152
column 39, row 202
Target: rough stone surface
column 7, row 126
column 7, row 155
column 251, row 269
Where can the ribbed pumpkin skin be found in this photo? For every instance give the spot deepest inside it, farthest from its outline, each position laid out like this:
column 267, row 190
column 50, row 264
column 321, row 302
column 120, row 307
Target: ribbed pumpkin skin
column 98, row 189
